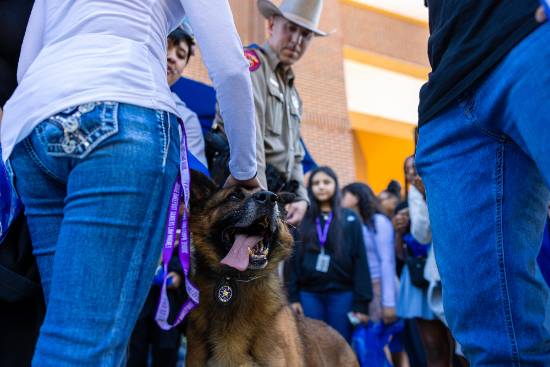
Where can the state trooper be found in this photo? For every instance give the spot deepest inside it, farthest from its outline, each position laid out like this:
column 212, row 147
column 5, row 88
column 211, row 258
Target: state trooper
column 278, row 105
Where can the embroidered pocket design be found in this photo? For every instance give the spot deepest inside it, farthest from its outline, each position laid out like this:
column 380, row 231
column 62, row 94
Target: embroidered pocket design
column 75, row 131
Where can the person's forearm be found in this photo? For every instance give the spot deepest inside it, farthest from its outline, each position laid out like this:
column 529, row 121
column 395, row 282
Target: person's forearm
column 419, row 217
column 222, row 53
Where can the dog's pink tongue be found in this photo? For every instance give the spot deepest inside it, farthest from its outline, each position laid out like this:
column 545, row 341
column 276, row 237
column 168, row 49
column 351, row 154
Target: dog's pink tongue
column 238, row 255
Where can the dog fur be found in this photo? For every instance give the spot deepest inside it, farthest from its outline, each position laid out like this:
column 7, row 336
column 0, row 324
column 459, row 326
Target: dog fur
column 258, row 328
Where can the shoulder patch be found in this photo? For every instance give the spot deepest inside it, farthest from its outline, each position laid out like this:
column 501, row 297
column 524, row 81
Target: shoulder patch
column 253, row 59
column 350, row 218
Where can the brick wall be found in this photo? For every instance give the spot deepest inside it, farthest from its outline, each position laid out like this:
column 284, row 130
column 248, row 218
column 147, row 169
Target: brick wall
column 385, row 35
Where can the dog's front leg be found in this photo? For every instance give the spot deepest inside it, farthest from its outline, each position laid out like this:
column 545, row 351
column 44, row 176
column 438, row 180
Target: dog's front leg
column 232, row 354
column 197, row 352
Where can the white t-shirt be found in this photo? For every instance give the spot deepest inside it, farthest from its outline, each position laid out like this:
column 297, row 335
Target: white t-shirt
column 76, row 52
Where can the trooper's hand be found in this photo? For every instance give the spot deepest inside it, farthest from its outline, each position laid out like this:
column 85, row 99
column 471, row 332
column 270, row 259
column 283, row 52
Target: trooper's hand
column 541, row 15
column 296, row 211
column 251, row 184
column 297, row 307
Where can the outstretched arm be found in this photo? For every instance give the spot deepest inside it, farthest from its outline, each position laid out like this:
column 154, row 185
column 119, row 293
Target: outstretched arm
column 222, row 51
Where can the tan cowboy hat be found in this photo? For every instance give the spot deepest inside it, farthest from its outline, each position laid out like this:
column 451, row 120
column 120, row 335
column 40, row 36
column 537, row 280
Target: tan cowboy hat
column 305, row 13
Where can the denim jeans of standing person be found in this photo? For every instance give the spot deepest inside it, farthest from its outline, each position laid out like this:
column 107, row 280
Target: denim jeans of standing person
column 485, row 162
column 95, row 181
column 330, row 307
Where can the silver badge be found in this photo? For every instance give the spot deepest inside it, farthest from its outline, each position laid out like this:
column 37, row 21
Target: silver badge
column 225, row 293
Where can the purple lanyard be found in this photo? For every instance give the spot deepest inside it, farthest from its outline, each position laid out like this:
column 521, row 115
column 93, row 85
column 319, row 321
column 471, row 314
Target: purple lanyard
column 322, row 233
column 181, row 188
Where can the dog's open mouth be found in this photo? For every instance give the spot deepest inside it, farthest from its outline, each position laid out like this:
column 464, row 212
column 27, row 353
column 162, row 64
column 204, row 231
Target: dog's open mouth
column 249, row 245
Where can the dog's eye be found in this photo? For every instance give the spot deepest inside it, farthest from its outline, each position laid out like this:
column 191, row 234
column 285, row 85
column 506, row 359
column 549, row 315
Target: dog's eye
column 235, row 196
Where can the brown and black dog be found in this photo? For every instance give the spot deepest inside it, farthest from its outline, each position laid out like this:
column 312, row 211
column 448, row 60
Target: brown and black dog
column 243, row 318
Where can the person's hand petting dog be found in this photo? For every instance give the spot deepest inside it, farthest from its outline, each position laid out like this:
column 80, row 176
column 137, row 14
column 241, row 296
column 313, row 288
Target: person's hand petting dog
column 296, row 212
column 252, row 184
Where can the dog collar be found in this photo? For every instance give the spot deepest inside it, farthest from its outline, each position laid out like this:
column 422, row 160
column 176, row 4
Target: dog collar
column 227, row 288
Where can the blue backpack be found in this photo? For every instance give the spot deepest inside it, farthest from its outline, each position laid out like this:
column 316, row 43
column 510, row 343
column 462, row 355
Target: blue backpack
column 368, row 342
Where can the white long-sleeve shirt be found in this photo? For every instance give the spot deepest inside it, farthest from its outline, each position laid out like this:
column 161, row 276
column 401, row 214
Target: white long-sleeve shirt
column 421, row 229
column 76, row 52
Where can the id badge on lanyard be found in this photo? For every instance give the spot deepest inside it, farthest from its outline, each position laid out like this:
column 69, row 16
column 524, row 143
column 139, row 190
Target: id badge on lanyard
column 323, row 260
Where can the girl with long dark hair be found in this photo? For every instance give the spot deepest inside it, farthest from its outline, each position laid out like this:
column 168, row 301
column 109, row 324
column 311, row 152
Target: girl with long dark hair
column 330, row 276
column 378, row 236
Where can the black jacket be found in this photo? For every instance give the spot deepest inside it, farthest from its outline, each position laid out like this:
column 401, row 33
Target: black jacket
column 468, row 38
column 14, row 15
column 348, row 269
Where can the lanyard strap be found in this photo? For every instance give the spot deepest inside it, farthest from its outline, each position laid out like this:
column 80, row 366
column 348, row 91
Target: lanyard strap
column 322, row 233
column 180, row 189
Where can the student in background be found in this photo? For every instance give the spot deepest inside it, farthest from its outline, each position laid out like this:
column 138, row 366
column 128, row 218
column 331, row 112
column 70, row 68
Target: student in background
column 330, row 275
column 390, row 197
column 378, row 235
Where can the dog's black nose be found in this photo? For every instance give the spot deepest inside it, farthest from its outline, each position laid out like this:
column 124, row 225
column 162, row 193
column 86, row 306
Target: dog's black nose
column 264, row 197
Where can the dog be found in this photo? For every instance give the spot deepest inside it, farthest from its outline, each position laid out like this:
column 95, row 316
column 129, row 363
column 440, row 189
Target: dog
column 238, row 239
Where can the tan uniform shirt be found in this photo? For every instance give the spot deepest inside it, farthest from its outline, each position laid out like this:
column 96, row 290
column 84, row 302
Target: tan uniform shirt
column 278, row 116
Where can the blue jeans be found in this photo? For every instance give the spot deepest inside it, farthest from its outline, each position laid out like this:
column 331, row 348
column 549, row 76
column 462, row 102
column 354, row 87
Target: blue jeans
column 485, row 162
column 330, row 307
column 95, row 182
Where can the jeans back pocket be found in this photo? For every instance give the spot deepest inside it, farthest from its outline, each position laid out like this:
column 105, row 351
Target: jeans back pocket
column 76, row 131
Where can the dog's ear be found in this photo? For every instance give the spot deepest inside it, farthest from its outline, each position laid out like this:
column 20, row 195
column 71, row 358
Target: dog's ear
column 202, row 188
